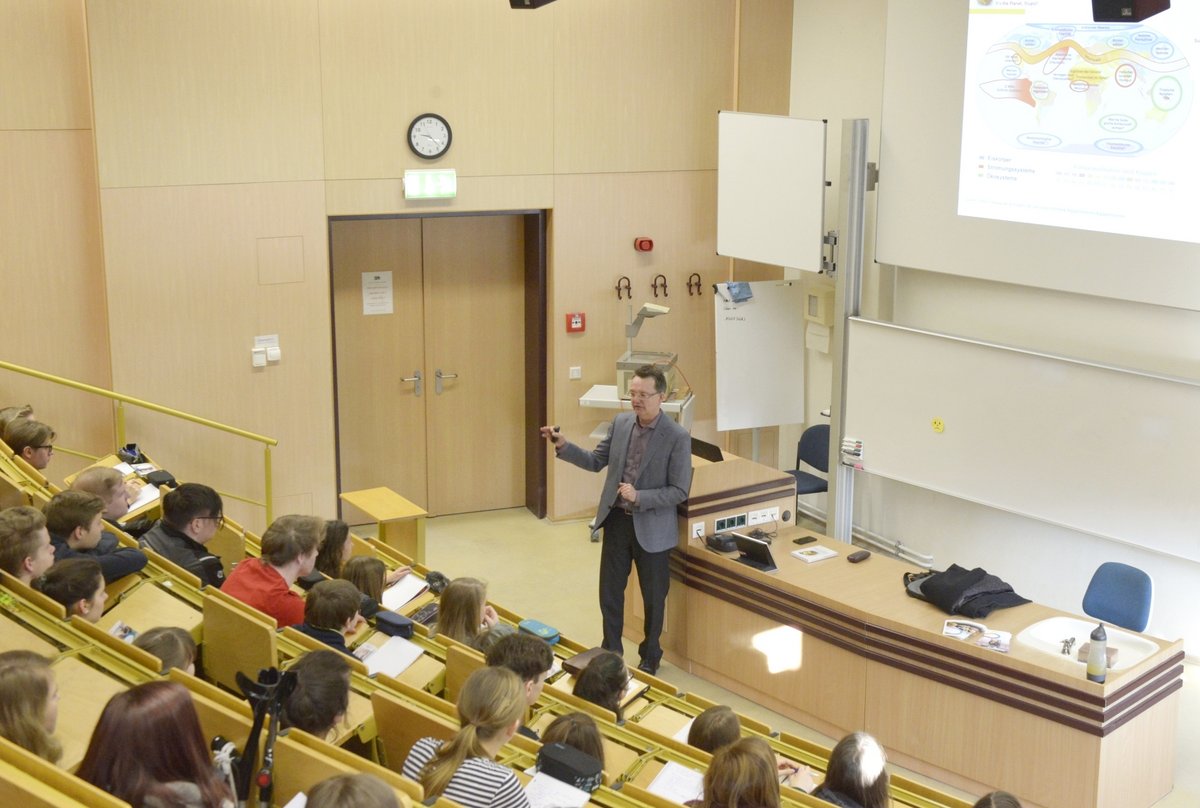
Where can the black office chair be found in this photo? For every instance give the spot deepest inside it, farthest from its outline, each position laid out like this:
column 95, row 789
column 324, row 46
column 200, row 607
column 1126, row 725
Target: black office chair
column 813, row 449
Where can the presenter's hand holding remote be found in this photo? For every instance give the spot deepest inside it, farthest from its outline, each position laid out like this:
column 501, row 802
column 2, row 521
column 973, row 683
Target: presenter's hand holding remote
column 552, row 434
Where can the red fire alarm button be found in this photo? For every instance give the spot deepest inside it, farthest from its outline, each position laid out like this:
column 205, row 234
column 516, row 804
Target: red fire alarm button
column 643, row 244
column 576, row 322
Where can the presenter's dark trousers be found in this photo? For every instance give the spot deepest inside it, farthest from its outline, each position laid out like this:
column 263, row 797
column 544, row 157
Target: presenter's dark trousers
column 618, row 554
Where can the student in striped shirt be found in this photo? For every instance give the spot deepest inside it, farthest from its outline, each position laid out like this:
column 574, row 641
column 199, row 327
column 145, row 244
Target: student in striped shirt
column 463, row 769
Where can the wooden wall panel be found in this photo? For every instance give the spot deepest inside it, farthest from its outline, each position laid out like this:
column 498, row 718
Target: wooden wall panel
column 485, row 68
column 43, row 66
column 216, row 91
column 638, row 85
column 55, row 320
column 595, row 220
column 765, row 57
column 268, row 91
column 185, row 262
column 365, row 197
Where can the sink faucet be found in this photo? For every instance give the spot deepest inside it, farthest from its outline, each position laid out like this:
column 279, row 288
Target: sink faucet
column 1067, row 645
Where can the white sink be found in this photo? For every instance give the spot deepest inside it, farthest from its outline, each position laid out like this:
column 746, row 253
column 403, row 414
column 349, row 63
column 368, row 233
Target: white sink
column 1048, row 635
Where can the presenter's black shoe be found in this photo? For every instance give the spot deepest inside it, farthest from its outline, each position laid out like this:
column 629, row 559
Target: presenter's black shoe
column 645, row 666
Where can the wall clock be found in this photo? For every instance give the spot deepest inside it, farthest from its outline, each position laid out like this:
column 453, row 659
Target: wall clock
column 429, row 136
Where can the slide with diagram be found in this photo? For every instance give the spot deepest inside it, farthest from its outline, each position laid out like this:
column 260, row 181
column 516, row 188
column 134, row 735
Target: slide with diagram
column 1073, row 123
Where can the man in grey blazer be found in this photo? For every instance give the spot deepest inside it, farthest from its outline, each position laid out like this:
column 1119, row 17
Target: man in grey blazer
column 649, row 463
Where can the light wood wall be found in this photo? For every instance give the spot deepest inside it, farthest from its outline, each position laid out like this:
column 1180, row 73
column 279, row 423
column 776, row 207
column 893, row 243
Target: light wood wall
column 227, row 130
column 49, row 224
column 486, row 69
column 217, row 91
column 764, row 56
column 595, row 220
column 214, row 266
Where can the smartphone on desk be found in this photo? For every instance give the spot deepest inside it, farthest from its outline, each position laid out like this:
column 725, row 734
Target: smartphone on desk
column 804, row 540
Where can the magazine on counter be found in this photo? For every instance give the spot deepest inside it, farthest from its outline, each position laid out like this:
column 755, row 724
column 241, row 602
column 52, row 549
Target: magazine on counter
column 816, row 552
column 977, row 634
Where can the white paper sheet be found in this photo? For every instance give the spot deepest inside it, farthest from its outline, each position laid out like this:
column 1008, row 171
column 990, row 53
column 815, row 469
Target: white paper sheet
column 684, row 731
column 404, row 590
column 544, row 791
column 377, row 292
column 677, row 783
column 147, row 494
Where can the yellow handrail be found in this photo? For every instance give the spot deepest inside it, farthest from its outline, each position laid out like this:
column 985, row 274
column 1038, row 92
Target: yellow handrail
column 122, row 400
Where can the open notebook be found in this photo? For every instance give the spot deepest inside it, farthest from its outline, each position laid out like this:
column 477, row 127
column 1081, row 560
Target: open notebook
column 404, row 590
column 393, row 657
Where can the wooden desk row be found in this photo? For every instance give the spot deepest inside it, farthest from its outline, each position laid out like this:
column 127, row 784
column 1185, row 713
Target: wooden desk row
column 638, row 750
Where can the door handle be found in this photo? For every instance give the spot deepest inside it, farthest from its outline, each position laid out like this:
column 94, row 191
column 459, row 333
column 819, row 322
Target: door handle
column 437, row 379
column 416, row 379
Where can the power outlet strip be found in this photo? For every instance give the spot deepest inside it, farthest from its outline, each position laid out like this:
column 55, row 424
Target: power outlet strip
column 763, row 517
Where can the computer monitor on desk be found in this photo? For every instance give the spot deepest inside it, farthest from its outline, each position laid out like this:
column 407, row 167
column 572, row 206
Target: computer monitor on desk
column 755, row 553
column 707, row 451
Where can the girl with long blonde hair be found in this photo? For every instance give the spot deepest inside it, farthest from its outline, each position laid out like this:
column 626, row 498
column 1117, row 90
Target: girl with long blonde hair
column 463, row 769
column 29, row 703
column 463, row 611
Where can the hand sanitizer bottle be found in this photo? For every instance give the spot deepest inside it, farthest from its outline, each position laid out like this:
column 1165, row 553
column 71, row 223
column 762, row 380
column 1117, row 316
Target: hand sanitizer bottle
column 1097, row 661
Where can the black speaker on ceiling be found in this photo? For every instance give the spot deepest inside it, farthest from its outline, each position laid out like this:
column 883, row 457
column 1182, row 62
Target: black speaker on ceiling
column 1126, row 10
column 529, row 3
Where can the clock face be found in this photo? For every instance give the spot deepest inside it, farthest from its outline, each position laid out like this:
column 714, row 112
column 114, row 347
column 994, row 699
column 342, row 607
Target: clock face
column 429, row 136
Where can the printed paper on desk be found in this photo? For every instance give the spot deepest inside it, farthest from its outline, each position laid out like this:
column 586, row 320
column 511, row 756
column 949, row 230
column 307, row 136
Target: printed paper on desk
column 677, row 783
column 393, row 657
column 404, row 590
column 684, row 732
column 544, row 791
column 146, row 495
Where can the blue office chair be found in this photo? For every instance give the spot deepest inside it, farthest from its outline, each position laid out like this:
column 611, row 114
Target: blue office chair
column 1121, row 595
column 812, row 449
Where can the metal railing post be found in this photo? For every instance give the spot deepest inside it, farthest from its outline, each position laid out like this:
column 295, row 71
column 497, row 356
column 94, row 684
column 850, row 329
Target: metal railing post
column 268, row 495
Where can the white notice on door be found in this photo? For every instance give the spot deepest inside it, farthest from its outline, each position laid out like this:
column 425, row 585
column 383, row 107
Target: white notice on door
column 377, row 292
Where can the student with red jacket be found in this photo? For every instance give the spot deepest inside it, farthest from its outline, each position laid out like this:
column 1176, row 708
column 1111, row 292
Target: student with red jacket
column 289, row 550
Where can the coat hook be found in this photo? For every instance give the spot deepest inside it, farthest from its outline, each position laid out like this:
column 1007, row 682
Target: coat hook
column 694, row 278
column 654, row 284
column 623, row 286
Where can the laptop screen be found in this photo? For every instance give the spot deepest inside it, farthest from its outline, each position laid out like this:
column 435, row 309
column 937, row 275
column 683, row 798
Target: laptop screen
column 706, row 451
column 755, row 549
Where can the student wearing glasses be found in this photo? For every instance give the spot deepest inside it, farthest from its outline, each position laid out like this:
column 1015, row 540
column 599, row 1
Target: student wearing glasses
column 191, row 518
column 649, row 463
column 32, row 441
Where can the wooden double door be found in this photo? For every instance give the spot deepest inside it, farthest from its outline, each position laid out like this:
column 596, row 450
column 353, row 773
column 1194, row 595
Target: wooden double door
column 431, row 396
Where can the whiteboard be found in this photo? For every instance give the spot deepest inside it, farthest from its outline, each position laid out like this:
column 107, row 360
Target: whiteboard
column 770, row 189
column 760, row 356
column 1104, row 450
